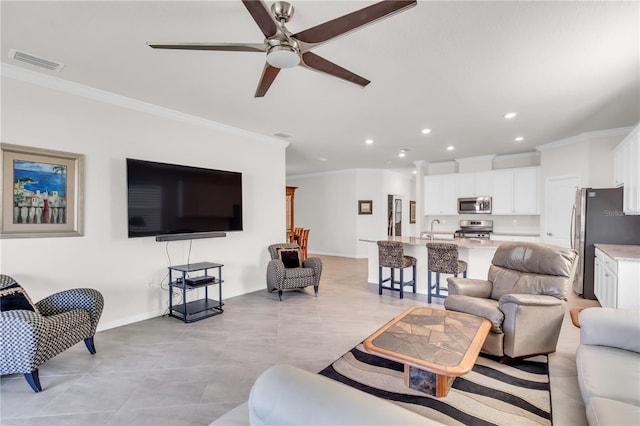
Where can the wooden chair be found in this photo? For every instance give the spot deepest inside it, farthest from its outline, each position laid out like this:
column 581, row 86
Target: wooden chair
column 303, row 240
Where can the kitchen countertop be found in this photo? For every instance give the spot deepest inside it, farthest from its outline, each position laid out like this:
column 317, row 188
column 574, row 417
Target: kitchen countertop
column 621, row 252
column 460, row 242
column 518, row 234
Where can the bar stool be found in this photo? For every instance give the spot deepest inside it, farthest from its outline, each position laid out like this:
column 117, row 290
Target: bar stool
column 442, row 258
column 391, row 255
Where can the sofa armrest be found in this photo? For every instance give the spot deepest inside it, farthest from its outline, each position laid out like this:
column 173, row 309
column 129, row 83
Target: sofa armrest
column 469, row 287
column 617, row 328
column 285, row 395
column 68, row 300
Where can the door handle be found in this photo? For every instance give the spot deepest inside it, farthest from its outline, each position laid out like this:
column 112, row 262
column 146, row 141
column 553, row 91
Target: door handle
column 549, row 234
column 572, row 227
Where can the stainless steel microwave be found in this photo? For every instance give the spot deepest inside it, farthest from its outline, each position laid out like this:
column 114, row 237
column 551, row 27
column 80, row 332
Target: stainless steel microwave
column 475, row 205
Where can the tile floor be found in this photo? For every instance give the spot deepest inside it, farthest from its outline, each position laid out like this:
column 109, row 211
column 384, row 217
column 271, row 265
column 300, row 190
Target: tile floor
column 164, row 372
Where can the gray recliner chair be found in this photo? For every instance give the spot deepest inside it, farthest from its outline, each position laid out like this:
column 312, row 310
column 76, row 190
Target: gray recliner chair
column 35, row 333
column 281, row 276
column 524, row 297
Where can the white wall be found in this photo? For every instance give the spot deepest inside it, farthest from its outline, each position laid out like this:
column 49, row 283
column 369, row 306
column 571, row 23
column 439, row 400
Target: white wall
column 104, row 258
column 327, row 204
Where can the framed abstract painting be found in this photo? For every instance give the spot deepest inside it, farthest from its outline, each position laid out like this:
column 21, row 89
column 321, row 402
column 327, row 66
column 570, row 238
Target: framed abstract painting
column 41, row 193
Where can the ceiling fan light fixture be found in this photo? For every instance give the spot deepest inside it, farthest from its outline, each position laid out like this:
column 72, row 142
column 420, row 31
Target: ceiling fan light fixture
column 283, row 56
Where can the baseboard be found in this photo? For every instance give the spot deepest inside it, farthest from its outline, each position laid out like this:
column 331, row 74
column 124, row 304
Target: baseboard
column 102, row 326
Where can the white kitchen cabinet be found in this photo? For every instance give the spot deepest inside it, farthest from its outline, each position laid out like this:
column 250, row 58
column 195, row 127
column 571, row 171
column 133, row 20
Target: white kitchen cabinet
column 516, row 191
column 475, row 184
column 615, row 282
column 618, row 166
column 605, row 285
column 441, row 194
column 626, row 170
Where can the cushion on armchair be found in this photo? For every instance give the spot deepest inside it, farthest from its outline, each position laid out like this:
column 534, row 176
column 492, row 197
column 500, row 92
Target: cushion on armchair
column 290, row 257
column 13, row 296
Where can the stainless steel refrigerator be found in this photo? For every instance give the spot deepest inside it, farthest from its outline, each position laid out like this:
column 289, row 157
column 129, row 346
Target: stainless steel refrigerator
column 598, row 218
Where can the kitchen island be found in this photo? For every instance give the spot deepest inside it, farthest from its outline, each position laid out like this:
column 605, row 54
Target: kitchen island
column 477, row 253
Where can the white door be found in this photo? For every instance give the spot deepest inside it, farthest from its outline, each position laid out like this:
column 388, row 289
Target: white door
column 560, row 196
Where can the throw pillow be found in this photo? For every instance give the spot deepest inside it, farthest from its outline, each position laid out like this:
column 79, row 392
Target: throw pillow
column 290, row 257
column 14, row 297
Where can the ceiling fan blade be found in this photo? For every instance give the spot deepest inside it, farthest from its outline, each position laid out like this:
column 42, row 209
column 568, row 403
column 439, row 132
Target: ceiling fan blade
column 318, row 63
column 268, row 75
column 352, row 21
column 262, row 16
column 232, row 47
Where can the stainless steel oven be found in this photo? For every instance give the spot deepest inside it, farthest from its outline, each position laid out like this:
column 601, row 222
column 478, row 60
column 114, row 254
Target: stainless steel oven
column 475, row 205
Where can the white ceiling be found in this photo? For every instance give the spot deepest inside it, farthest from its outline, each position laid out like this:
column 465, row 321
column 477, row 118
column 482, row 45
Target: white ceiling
column 454, row 67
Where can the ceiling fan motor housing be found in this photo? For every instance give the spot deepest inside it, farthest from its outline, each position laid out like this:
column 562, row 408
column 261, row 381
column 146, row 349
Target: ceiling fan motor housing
column 282, row 10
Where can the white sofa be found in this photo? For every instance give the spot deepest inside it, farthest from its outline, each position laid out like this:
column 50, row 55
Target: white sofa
column 285, row 395
column 608, row 364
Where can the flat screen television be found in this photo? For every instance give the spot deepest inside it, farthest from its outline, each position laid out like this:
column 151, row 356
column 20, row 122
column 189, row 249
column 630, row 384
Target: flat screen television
column 169, row 199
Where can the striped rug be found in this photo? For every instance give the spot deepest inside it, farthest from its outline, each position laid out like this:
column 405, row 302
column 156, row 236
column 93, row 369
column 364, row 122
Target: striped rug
column 491, row 394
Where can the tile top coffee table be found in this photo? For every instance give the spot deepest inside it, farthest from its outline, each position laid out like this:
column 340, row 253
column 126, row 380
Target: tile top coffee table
column 435, row 346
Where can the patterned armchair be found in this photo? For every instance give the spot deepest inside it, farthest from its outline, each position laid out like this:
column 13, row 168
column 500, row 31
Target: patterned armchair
column 282, row 278
column 35, row 333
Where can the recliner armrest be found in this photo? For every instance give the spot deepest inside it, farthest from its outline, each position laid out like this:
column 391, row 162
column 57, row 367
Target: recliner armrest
column 617, row 328
column 530, row 300
column 469, row 287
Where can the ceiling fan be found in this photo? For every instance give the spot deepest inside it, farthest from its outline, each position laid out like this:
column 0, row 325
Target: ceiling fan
column 286, row 50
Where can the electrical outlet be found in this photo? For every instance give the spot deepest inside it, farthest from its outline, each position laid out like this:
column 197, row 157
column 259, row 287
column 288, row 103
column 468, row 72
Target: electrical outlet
column 515, row 221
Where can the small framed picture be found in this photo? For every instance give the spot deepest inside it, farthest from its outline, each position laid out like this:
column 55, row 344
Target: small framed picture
column 41, row 193
column 412, row 212
column 365, row 207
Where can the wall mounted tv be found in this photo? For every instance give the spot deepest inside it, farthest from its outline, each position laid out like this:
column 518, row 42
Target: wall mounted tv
column 168, row 199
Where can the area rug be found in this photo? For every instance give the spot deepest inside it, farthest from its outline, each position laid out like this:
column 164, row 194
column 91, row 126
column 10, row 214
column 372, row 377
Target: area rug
column 491, row 394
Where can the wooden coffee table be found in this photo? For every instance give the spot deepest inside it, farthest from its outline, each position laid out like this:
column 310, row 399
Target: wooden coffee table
column 435, row 346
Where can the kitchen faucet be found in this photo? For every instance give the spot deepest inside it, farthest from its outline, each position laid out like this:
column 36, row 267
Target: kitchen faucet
column 431, row 233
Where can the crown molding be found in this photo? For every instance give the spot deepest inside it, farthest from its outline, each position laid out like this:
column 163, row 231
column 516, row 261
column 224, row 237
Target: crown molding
column 88, row 92
column 617, row 132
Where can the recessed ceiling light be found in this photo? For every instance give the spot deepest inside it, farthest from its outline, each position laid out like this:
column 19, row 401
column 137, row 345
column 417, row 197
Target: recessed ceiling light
column 403, row 152
column 369, row 141
column 451, row 148
column 322, row 159
column 510, row 115
column 415, row 171
column 426, row 131
column 519, row 139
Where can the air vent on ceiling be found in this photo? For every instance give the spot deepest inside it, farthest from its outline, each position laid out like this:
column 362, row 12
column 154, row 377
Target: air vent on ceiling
column 282, row 135
column 35, row 60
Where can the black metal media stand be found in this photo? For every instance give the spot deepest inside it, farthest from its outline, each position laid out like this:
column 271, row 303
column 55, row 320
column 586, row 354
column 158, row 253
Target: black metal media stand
column 197, row 309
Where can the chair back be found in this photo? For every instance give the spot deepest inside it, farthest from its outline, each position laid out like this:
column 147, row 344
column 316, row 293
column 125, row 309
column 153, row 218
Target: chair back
column 273, row 249
column 303, row 240
column 390, row 254
column 532, row 268
column 442, row 257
